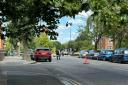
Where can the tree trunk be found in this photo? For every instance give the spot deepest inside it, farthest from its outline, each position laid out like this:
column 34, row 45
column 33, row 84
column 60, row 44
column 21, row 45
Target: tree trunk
column 120, row 42
column 97, row 41
column 120, row 39
column 25, row 50
column 114, row 44
column 17, row 51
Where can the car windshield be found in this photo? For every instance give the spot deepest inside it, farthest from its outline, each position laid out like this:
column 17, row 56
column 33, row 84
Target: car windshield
column 119, row 52
column 91, row 51
column 106, row 52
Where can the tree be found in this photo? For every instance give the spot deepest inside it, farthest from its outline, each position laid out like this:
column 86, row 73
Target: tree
column 25, row 15
column 109, row 19
column 84, row 40
column 43, row 41
column 8, row 46
column 57, row 45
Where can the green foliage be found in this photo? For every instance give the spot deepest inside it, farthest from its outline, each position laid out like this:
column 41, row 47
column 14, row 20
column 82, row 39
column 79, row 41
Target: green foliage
column 8, row 45
column 25, row 15
column 83, row 45
column 109, row 19
column 57, row 45
column 43, row 41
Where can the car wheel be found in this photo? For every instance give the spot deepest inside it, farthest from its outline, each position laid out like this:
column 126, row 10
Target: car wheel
column 116, row 60
column 121, row 61
column 50, row 60
column 36, row 59
column 110, row 59
column 104, row 59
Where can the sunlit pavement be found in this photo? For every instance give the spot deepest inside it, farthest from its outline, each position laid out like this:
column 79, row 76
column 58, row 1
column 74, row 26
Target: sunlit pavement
column 69, row 70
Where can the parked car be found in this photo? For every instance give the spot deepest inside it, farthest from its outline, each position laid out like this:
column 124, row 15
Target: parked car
column 105, row 55
column 120, row 55
column 83, row 53
column 43, row 54
column 96, row 54
column 76, row 54
column 91, row 53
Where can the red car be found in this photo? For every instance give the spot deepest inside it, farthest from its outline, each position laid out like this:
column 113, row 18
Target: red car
column 42, row 53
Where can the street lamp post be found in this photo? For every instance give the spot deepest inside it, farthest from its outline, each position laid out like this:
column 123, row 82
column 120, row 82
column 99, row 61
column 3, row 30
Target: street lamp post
column 69, row 24
column 70, row 34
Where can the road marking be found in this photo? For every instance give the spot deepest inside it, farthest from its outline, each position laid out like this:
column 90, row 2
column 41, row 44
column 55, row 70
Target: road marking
column 67, row 81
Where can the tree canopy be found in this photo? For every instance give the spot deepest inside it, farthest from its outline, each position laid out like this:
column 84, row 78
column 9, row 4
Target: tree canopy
column 25, row 15
column 109, row 18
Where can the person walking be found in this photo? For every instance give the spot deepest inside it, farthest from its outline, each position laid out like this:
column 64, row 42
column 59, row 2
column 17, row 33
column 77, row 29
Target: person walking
column 58, row 54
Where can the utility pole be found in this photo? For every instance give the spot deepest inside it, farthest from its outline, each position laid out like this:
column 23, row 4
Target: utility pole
column 70, row 47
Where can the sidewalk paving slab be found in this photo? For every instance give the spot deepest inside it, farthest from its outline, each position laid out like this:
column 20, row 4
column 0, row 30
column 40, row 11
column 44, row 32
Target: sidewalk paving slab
column 15, row 60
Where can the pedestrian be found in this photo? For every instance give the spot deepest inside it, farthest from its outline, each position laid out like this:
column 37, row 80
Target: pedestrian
column 58, row 54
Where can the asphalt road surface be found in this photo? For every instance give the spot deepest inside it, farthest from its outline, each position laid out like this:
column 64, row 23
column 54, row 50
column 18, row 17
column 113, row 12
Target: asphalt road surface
column 67, row 71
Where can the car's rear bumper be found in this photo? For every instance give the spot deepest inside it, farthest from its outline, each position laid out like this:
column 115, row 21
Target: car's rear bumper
column 42, row 56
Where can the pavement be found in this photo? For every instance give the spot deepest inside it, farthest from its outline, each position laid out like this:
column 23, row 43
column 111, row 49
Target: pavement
column 15, row 60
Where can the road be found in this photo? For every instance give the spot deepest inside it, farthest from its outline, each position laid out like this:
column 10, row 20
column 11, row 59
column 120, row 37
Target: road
column 67, row 71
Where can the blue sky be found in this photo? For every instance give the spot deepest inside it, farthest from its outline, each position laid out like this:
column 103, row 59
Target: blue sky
column 64, row 32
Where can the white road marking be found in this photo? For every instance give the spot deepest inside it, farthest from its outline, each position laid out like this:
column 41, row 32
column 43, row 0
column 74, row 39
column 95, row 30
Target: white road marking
column 67, row 81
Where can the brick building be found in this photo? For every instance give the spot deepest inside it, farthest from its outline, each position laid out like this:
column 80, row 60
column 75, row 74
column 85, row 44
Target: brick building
column 105, row 43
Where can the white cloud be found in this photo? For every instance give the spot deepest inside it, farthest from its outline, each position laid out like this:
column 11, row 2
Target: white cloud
column 85, row 14
column 81, row 17
column 75, row 33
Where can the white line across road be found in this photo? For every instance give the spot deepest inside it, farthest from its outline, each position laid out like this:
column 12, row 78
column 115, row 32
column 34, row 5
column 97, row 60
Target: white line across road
column 67, row 81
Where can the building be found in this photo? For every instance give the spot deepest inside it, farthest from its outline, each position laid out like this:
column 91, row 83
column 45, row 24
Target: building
column 105, row 43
